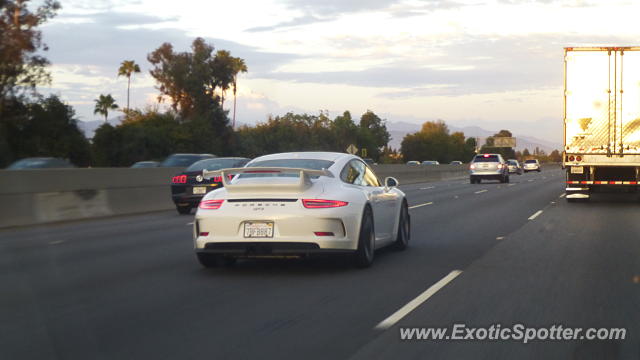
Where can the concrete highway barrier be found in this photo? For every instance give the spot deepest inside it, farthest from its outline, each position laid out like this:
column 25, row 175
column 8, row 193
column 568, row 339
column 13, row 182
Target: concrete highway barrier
column 43, row 196
column 30, row 197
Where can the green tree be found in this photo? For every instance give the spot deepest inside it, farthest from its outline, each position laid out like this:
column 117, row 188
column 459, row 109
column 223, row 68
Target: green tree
column 432, row 142
column 104, row 103
column 192, row 80
column 555, row 156
column 372, row 134
column 148, row 135
column 128, row 68
column 345, row 131
column 22, row 65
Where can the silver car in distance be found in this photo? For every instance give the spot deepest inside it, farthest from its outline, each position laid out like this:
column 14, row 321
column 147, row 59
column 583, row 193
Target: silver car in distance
column 300, row 204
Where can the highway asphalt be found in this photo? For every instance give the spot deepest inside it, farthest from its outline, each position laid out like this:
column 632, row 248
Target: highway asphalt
column 130, row 288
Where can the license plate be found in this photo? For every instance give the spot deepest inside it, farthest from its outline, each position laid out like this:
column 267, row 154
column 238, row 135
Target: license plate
column 258, row 229
column 577, row 170
column 199, row 190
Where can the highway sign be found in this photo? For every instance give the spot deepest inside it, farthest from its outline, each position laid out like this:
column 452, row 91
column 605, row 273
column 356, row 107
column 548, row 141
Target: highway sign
column 352, row 149
column 504, row 142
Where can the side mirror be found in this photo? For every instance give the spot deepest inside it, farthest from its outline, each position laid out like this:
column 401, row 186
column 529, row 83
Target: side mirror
column 390, row 182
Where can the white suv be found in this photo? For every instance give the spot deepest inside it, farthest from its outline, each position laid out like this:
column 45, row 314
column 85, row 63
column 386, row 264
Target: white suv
column 531, row 165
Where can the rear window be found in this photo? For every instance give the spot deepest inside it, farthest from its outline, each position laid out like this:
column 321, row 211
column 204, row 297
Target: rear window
column 216, row 164
column 511, row 162
column 486, row 158
column 312, row 164
column 531, row 162
column 180, row 160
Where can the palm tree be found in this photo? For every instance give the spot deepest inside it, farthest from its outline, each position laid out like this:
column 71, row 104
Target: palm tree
column 104, row 103
column 238, row 67
column 127, row 68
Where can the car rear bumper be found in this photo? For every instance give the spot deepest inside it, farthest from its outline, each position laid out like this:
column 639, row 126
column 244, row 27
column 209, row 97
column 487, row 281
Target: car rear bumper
column 184, row 200
column 292, row 224
column 269, row 248
column 486, row 173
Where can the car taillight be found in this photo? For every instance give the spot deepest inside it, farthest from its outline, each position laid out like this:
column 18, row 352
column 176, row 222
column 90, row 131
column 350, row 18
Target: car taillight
column 321, row 203
column 472, row 166
column 180, row 179
column 210, row 204
column 499, row 166
column 218, row 179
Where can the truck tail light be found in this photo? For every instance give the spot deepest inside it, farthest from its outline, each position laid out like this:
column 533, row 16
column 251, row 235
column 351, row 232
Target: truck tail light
column 578, row 158
column 210, row 204
column 572, row 158
column 322, row 204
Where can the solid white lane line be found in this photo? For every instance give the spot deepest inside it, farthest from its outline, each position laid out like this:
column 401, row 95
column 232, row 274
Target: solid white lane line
column 420, row 205
column 500, row 238
column 562, row 195
column 428, row 187
column 189, row 224
column 413, row 304
column 535, row 215
column 481, row 191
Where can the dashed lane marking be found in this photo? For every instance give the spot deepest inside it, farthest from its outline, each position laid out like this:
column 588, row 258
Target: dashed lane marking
column 413, row 304
column 535, row 215
column 420, row 205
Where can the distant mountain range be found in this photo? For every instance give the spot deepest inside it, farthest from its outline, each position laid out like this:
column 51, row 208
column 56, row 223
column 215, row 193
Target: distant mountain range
column 399, row 130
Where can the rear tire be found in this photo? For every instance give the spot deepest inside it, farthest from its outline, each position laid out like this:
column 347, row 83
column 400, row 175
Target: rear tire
column 183, row 210
column 404, row 228
column 507, row 179
column 365, row 253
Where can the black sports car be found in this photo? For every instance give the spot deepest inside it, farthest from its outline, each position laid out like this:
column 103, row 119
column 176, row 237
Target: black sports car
column 188, row 187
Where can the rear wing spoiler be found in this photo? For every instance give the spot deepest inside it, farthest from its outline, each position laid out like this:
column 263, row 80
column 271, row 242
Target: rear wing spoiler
column 304, row 174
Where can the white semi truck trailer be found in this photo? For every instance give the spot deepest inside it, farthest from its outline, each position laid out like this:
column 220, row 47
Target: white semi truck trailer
column 601, row 120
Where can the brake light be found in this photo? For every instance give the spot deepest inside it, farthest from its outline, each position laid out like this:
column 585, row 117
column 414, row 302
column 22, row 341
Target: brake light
column 180, row 179
column 486, row 155
column 321, row 203
column 218, row 179
column 578, row 158
column 499, row 166
column 323, row 233
column 210, row 204
column 472, row 166
column 572, row 158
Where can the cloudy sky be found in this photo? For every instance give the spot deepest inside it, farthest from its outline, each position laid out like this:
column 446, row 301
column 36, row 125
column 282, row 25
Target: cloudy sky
column 494, row 64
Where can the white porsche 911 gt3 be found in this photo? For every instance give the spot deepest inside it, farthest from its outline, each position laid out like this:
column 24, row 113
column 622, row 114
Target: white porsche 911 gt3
column 299, row 204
